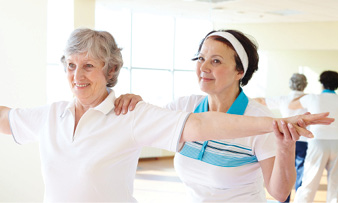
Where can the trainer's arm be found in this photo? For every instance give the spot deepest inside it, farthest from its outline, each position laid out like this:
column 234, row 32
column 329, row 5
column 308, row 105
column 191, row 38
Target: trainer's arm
column 4, row 121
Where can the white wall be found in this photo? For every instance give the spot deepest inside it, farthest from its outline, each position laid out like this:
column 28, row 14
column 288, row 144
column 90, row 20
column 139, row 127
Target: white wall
column 22, row 84
column 289, row 46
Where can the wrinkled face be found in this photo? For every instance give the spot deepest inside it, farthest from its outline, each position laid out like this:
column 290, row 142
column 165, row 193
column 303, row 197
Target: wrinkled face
column 216, row 68
column 86, row 78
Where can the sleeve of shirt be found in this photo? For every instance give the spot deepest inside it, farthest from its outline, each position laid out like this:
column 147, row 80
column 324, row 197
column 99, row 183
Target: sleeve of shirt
column 273, row 102
column 265, row 146
column 305, row 100
column 26, row 124
column 157, row 127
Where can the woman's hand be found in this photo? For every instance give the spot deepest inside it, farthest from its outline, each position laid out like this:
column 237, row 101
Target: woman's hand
column 300, row 122
column 312, row 119
column 125, row 102
column 287, row 133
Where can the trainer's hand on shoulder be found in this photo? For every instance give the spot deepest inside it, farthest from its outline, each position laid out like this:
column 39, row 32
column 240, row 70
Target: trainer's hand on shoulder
column 126, row 102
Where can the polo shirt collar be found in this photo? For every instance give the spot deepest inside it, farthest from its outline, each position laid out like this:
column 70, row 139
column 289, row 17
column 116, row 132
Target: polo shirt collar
column 329, row 91
column 238, row 107
column 105, row 107
column 108, row 104
column 296, row 93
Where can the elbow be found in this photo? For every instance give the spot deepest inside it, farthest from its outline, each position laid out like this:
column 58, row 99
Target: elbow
column 282, row 197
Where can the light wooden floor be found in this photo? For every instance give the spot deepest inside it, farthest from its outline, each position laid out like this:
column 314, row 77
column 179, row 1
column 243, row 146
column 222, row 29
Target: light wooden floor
column 157, row 181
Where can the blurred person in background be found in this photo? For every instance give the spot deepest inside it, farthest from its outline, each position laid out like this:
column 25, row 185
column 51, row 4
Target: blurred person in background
column 297, row 84
column 322, row 152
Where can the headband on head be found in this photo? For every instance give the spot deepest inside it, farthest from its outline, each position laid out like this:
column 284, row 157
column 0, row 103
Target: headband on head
column 237, row 45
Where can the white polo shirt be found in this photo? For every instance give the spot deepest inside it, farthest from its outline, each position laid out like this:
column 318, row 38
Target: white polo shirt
column 210, row 183
column 325, row 102
column 98, row 162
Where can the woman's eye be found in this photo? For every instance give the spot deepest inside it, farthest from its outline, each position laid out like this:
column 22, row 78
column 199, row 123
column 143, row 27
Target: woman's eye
column 200, row 58
column 89, row 66
column 71, row 66
column 216, row 61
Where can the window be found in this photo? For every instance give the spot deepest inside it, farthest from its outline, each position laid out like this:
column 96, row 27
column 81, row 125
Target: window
column 59, row 26
column 157, row 52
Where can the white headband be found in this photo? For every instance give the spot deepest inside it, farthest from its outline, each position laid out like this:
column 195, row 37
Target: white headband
column 237, row 45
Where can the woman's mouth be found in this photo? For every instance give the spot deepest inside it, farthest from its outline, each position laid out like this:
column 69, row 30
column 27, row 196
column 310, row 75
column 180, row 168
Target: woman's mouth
column 81, row 85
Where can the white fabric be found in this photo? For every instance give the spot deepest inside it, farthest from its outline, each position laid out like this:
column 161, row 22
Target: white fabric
column 99, row 162
column 209, row 183
column 237, row 46
column 282, row 104
column 321, row 154
column 325, row 102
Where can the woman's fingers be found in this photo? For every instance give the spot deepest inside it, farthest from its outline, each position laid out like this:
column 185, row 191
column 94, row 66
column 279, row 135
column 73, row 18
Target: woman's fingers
column 125, row 102
column 294, row 134
column 276, row 130
column 301, row 123
column 134, row 101
column 286, row 133
column 118, row 106
column 321, row 118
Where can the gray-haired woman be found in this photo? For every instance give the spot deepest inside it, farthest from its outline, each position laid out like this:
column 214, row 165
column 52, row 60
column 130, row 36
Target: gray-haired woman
column 90, row 155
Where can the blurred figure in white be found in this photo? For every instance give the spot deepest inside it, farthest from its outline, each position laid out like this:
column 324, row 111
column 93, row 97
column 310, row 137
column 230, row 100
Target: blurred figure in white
column 323, row 149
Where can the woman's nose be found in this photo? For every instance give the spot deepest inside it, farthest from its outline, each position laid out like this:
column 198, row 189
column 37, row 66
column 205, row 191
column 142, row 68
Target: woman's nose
column 204, row 67
column 78, row 74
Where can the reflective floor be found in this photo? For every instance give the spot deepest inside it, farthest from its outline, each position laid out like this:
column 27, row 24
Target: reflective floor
column 157, row 181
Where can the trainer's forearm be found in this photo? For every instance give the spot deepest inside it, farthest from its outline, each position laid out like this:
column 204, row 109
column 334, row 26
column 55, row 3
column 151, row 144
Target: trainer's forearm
column 283, row 175
column 216, row 125
column 4, row 121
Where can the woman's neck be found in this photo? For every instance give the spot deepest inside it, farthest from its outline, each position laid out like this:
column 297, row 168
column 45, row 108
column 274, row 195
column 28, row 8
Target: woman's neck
column 222, row 102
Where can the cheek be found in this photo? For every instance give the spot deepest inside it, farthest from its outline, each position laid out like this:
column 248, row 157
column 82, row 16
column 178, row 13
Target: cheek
column 69, row 76
column 198, row 71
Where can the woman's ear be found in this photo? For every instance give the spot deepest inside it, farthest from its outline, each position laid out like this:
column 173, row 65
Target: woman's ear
column 239, row 75
column 111, row 72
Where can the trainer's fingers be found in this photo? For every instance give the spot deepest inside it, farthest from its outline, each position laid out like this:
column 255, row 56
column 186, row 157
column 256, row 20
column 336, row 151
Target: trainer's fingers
column 285, row 130
column 134, row 101
column 276, row 130
column 294, row 134
column 118, row 106
column 125, row 106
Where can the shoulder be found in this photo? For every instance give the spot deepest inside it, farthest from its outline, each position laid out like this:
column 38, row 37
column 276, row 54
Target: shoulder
column 256, row 109
column 186, row 103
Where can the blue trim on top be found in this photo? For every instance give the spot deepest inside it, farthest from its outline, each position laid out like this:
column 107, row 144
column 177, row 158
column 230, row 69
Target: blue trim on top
column 329, row 91
column 226, row 155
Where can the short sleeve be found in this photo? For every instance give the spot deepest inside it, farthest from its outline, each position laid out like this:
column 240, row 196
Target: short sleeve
column 265, row 146
column 273, row 102
column 305, row 100
column 158, row 127
column 27, row 124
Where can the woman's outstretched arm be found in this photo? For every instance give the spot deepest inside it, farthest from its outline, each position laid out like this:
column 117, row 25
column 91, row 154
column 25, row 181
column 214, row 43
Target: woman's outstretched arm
column 4, row 121
column 216, row 125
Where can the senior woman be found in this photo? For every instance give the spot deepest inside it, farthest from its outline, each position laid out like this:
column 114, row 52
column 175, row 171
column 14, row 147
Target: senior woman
column 230, row 170
column 89, row 154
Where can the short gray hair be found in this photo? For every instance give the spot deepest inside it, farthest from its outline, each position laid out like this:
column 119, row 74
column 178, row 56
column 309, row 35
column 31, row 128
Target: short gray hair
column 298, row 82
column 100, row 45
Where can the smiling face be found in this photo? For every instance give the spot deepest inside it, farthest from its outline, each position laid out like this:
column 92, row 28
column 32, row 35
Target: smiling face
column 86, row 79
column 216, row 68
